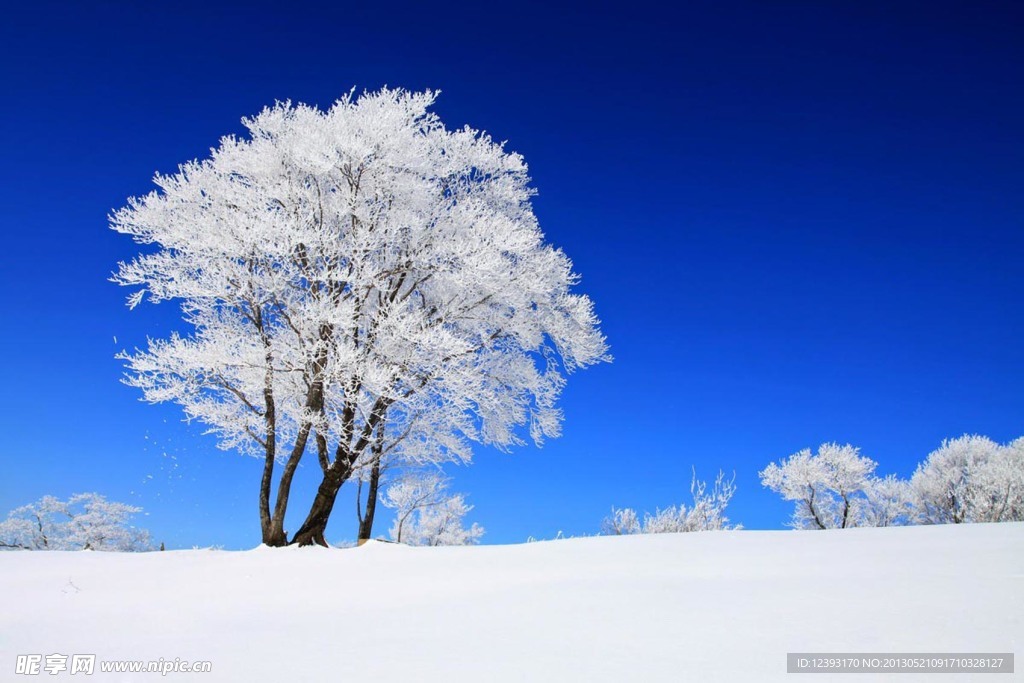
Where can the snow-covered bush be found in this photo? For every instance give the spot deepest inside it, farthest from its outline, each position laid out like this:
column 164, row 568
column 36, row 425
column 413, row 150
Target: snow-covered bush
column 707, row 513
column 425, row 514
column 86, row 521
column 621, row 522
column 971, row 479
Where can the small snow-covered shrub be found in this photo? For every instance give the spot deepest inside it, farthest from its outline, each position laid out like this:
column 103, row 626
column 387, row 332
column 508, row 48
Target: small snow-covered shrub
column 425, row 514
column 707, row 513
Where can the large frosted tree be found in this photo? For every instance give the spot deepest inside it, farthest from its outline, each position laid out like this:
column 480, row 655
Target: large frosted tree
column 361, row 282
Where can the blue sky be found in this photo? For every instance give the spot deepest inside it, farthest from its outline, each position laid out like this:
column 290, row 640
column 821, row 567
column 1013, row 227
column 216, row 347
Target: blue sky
column 800, row 222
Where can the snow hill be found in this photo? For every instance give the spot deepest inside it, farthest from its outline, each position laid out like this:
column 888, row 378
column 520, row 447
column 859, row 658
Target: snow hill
column 718, row 606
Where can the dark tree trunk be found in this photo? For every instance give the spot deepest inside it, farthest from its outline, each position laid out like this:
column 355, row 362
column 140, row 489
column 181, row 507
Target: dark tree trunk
column 314, row 404
column 273, row 531
column 313, row 529
column 814, row 513
column 366, row 521
column 274, row 536
column 270, row 446
column 266, row 522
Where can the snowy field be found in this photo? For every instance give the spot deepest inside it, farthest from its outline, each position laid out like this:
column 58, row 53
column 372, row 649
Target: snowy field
column 720, row 606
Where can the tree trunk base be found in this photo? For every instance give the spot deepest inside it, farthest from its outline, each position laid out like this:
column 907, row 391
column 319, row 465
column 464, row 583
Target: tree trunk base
column 275, row 538
column 310, row 537
column 312, row 530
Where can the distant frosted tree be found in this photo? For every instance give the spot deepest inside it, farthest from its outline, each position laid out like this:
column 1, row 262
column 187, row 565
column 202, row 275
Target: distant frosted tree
column 411, row 493
column 971, row 479
column 888, row 501
column 828, row 486
column 425, row 514
column 442, row 524
column 998, row 491
column 707, row 512
column 355, row 276
column 86, row 521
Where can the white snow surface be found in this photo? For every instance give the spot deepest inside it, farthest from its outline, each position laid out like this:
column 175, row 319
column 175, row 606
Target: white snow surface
column 712, row 606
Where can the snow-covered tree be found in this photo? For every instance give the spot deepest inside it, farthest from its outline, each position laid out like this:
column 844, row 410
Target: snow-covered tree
column 442, row 524
column 971, row 479
column 85, row 521
column 707, row 512
column 426, row 514
column 828, row 486
column 412, row 492
column 355, row 276
column 997, row 493
column 888, row 501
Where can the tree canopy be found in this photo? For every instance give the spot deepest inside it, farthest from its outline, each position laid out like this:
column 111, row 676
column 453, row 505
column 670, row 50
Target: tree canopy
column 362, row 277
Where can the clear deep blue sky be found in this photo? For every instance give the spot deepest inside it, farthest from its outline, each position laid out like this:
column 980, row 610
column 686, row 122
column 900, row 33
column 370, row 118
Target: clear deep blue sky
column 800, row 222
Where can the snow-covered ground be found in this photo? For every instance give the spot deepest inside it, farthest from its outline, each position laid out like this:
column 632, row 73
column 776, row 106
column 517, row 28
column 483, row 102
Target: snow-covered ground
column 719, row 606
